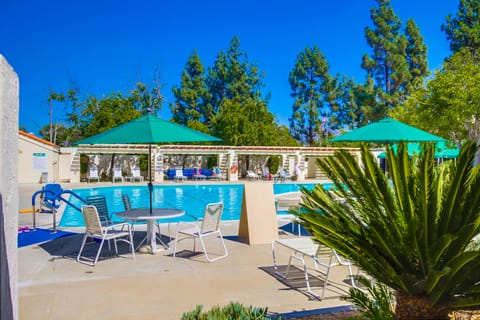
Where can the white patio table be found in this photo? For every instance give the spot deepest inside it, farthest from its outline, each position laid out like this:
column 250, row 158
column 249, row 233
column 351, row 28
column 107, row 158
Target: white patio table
column 143, row 214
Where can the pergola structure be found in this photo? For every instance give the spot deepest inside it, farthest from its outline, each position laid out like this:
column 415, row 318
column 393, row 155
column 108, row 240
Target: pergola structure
column 227, row 156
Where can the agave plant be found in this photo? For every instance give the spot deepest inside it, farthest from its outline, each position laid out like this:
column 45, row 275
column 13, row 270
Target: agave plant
column 411, row 232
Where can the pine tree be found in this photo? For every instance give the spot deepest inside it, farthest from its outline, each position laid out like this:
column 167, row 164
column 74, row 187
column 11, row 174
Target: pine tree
column 237, row 111
column 463, row 30
column 192, row 95
column 310, row 82
column 398, row 60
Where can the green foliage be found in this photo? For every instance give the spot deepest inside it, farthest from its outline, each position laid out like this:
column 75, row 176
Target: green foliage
column 463, row 30
column 212, row 162
column 450, row 104
column 273, row 163
column 309, row 81
column 410, row 233
column 375, row 304
column 398, row 62
column 91, row 115
column 143, row 162
column 232, row 311
column 192, row 94
column 84, row 162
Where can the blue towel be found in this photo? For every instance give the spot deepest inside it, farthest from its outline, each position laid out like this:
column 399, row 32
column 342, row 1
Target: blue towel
column 26, row 238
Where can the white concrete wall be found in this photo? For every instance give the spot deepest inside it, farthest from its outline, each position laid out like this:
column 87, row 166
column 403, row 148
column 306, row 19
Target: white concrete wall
column 9, row 92
column 27, row 148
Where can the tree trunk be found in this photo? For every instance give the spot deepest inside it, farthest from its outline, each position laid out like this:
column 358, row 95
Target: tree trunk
column 415, row 308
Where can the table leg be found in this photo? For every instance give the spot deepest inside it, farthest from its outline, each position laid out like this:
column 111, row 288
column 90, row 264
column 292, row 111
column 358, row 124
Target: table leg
column 151, row 236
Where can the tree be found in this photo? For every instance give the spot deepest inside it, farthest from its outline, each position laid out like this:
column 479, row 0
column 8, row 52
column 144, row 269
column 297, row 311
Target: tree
column 398, row 61
column 232, row 77
column 416, row 55
column 236, row 110
column 191, row 96
column 463, row 30
column 90, row 115
column 309, row 81
column 450, row 103
column 412, row 232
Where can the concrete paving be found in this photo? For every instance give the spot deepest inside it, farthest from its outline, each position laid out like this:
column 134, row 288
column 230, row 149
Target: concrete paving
column 52, row 285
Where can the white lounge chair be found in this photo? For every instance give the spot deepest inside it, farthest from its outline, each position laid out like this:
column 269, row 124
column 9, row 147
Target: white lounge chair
column 322, row 257
column 252, row 175
column 136, row 175
column 179, row 175
column 209, row 226
column 94, row 229
column 117, row 174
column 93, row 174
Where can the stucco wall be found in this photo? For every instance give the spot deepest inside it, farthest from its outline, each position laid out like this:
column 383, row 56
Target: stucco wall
column 9, row 91
column 31, row 154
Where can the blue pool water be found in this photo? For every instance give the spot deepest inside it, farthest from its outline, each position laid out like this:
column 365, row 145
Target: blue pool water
column 191, row 198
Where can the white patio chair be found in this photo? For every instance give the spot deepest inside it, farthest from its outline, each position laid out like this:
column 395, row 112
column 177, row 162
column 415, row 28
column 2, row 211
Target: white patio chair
column 322, row 257
column 117, row 174
column 207, row 227
column 136, row 175
column 93, row 174
column 252, row 175
column 95, row 230
column 179, row 175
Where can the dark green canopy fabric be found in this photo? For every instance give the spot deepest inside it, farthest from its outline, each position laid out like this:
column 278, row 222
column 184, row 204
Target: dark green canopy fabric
column 148, row 129
column 387, row 131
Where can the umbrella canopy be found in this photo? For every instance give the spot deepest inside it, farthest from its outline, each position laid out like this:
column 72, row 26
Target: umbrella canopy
column 387, row 131
column 442, row 151
column 148, row 129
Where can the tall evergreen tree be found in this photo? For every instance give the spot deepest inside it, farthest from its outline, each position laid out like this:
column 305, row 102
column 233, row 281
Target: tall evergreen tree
column 416, row 54
column 237, row 111
column 310, row 81
column 232, row 77
column 397, row 60
column 463, row 30
column 191, row 96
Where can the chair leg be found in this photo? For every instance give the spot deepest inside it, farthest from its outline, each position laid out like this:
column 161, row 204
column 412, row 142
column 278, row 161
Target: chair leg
column 205, row 249
column 99, row 251
column 81, row 247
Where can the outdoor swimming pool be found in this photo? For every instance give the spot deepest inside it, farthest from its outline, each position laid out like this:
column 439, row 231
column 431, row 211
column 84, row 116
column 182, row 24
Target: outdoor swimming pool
column 191, row 198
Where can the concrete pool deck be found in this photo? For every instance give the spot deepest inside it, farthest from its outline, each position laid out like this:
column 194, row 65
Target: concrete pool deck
column 52, row 285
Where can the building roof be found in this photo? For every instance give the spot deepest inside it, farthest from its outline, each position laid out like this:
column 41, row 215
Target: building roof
column 33, row 137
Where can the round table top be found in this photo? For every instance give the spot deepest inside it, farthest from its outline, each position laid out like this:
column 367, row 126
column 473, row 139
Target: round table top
column 157, row 213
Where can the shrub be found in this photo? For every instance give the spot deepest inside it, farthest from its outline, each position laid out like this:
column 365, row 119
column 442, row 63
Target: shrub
column 231, row 311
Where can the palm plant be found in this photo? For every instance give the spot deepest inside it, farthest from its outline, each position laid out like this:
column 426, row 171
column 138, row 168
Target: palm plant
column 411, row 232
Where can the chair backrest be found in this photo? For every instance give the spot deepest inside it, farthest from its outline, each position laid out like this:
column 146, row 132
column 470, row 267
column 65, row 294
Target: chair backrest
column 52, row 190
column 126, row 202
column 93, row 172
column 179, row 172
column 136, row 172
column 100, row 202
column 211, row 217
column 117, row 172
column 92, row 220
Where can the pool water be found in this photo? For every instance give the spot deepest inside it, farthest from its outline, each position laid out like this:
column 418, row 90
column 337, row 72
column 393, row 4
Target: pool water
column 191, row 198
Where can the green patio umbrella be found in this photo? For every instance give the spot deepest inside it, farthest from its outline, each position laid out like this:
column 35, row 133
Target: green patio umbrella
column 148, row 129
column 387, row 131
column 442, row 151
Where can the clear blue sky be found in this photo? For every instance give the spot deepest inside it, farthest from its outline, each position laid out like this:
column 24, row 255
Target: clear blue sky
column 105, row 46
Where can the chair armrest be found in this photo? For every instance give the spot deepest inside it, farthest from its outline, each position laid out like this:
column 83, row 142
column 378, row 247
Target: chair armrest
column 119, row 226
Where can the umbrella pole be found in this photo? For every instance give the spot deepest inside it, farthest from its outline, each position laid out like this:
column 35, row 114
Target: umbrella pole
column 150, row 185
